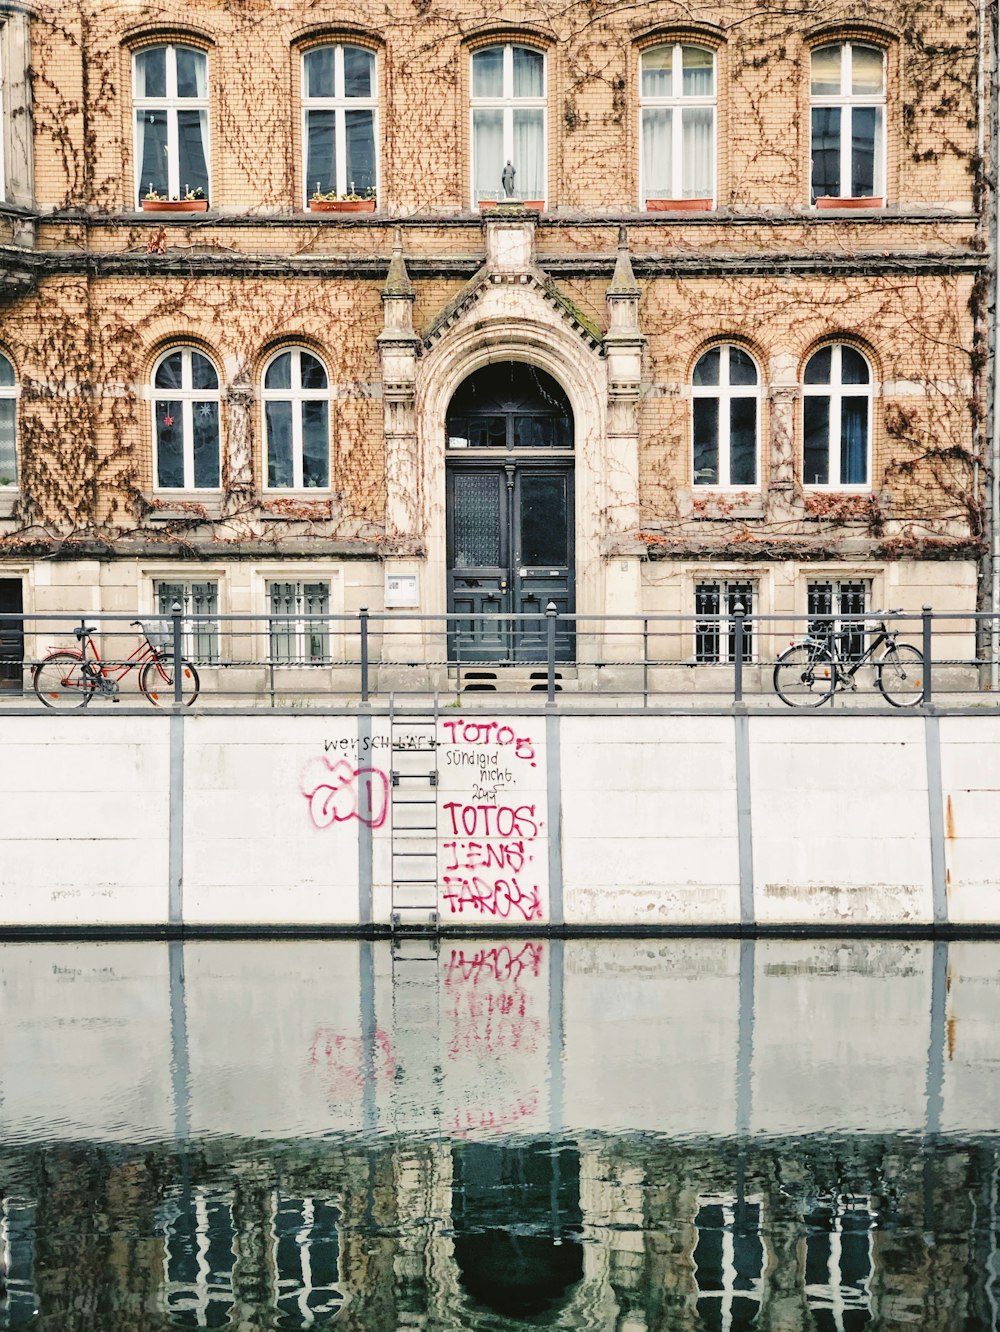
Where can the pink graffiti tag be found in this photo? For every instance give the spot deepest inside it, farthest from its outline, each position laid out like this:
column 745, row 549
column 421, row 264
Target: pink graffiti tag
column 332, row 790
column 501, row 897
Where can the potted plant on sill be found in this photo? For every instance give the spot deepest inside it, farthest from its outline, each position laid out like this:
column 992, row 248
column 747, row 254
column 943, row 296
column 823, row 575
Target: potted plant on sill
column 351, row 202
column 193, row 201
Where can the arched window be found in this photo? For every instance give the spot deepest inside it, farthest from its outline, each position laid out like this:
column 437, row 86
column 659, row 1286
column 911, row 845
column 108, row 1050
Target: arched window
column 186, row 421
column 171, row 122
column 9, row 393
column 847, row 90
column 725, row 391
column 340, row 107
column 296, row 422
column 836, row 418
column 508, row 122
column 677, row 100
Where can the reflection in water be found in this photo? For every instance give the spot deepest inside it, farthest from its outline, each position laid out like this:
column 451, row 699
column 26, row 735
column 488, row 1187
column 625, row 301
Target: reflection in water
column 629, row 1136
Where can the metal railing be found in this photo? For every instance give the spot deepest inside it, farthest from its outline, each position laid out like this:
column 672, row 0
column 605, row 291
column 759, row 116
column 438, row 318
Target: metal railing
column 662, row 660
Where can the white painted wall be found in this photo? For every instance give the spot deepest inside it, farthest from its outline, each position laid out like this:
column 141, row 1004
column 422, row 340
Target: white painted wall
column 288, row 819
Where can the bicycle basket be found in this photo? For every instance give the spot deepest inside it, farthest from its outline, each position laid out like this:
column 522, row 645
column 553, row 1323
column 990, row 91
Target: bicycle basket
column 160, row 634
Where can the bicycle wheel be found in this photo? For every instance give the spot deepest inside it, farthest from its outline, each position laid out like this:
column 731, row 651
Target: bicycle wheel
column 157, row 682
column 901, row 675
column 805, row 677
column 60, row 681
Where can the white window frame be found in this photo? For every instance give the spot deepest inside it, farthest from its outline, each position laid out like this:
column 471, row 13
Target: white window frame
column 835, row 1296
column 339, row 103
column 171, row 103
column 724, row 392
column 297, row 628
column 728, row 588
column 729, row 1293
column 188, row 397
column 836, row 391
column 847, row 102
column 297, row 395
column 11, row 393
column 677, row 102
column 200, row 642
column 508, row 103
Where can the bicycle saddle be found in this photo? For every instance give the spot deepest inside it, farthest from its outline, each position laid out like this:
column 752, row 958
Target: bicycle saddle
column 83, row 631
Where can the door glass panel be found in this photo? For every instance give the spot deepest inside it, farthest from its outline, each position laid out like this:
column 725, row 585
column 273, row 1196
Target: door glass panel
column 543, row 520
column 477, row 521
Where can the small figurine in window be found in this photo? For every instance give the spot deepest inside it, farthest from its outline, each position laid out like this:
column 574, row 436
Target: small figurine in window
column 507, row 177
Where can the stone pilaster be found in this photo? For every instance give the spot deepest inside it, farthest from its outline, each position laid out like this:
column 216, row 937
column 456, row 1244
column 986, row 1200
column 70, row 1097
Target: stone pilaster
column 239, row 478
column 397, row 344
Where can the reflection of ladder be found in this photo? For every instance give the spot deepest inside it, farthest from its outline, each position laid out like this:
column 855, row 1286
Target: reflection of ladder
column 413, row 810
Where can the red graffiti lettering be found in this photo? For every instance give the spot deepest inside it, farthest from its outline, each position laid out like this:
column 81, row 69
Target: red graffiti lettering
column 333, row 791
column 502, row 898
column 485, row 733
column 500, row 964
column 472, row 1121
column 492, row 820
column 486, row 855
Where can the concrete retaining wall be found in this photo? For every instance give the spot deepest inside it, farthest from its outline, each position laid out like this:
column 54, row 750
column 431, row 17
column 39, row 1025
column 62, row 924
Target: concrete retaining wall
column 677, row 821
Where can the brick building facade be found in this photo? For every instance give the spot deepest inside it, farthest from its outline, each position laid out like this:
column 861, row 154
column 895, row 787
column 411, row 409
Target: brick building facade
column 720, row 337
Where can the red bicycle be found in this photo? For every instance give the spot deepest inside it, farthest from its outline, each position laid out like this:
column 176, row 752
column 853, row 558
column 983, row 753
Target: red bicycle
column 70, row 678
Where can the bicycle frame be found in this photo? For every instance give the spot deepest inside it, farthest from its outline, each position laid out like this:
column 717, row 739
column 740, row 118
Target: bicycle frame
column 850, row 669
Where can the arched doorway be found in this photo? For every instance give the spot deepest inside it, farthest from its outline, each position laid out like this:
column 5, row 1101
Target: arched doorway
column 510, row 523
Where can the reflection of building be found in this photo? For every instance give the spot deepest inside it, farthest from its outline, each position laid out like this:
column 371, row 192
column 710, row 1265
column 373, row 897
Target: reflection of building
column 216, row 388
column 635, row 1234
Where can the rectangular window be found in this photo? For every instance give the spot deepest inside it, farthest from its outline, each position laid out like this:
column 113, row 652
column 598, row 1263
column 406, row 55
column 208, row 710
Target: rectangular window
column 729, row 1261
column 340, row 105
column 839, row 1261
column 715, row 640
column 508, row 124
column 844, row 600
column 200, row 636
column 301, row 636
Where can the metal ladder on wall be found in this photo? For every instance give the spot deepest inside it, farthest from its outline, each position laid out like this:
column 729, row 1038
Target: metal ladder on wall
column 413, row 811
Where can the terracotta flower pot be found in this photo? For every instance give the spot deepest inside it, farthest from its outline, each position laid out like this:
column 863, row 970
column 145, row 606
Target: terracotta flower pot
column 341, row 205
column 678, row 205
column 174, row 205
column 830, row 201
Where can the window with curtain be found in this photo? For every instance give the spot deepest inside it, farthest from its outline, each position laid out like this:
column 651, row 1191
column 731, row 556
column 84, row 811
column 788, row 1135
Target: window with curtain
column 296, row 396
column 170, row 93
column 9, row 393
column 725, row 391
column 847, row 91
column 186, row 421
column 508, row 122
column 300, row 633
column 340, row 113
column 677, row 114
column 836, row 419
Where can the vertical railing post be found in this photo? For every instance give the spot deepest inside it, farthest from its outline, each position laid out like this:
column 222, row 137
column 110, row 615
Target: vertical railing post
column 363, row 629
column 925, row 615
column 550, row 649
column 176, row 613
column 645, row 662
column 739, row 615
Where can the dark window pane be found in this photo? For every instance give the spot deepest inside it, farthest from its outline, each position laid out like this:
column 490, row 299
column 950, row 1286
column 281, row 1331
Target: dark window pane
column 543, row 520
column 360, row 129
column 168, row 372
column 319, row 66
column 863, row 135
column 151, row 73
column 359, row 70
column 854, row 441
column 816, row 441
column 706, row 372
column 8, row 442
column 741, row 369
column 192, row 128
column 321, row 157
column 315, row 444
column 279, row 372
column 477, row 521
column 152, row 138
column 7, row 379
column 192, row 73
column 853, row 367
column 203, row 374
column 818, row 369
column 169, row 445
column 278, row 418
column 706, row 634
column 312, row 372
column 826, row 151
column 706, row 441
column 743, row 442
column 206, row 444
column 487, row 432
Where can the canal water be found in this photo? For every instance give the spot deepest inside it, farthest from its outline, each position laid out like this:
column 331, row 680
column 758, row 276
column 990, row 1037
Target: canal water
column 620, row 1135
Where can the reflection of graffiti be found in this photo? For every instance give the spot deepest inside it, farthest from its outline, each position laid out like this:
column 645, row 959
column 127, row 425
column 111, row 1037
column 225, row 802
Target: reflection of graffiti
column 341, row 1062
column 498, row 897
column 332, row 790
column 490, row 733
column 494, row 964
column 476, row 1121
